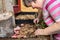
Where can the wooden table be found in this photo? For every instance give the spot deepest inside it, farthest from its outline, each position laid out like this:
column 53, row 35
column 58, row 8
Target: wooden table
column 36, row 38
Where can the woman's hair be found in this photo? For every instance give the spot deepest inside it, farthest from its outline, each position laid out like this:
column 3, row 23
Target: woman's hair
column 26, row 2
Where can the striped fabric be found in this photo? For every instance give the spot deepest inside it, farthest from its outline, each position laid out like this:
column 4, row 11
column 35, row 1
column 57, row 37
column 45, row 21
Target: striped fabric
column 51, row 12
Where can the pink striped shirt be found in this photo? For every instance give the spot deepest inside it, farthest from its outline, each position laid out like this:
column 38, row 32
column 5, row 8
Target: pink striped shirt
column 51, row 12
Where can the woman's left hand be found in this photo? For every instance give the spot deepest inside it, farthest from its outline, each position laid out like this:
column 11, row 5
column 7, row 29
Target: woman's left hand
column 39, row 32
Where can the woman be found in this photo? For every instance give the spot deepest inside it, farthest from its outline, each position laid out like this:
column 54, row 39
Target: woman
column 51, row 16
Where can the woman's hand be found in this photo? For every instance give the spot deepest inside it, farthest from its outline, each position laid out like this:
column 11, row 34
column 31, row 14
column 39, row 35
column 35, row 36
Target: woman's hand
column 16, row 31
column 40, row 32
column 36, row 20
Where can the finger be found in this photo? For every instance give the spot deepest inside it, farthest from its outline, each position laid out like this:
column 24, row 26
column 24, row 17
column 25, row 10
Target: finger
column 14, row 36
column 20, row 36
column 17, row 32
column 35, row 33
column 37, row 21
column 17, row 29
column 34, row 21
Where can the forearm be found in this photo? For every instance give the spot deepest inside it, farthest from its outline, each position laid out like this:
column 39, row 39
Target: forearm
column 52, row 29
column 39, row 14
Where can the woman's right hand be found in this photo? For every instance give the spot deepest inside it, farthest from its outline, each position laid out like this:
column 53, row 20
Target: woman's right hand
column 16, row 32
column 36, row 20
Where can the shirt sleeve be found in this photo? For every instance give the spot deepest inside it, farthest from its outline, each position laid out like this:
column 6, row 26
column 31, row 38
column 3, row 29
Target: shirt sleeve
column 55, row 13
